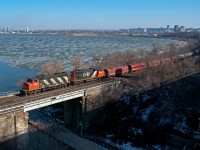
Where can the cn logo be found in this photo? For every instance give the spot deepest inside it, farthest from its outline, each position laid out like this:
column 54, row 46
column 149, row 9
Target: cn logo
column 86, row 74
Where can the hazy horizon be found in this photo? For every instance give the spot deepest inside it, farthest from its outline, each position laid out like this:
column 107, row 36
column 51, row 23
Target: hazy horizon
column 98, row 14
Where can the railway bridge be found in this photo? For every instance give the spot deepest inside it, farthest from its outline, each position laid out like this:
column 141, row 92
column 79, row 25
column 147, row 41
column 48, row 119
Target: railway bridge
column 79, row 103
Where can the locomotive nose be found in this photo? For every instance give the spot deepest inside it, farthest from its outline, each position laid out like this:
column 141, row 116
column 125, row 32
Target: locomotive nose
column 26, row 86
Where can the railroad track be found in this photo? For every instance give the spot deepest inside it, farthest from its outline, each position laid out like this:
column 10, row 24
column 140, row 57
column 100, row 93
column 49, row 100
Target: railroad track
column 20, row 100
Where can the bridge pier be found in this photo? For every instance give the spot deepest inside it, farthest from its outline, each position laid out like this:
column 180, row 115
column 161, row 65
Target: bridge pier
column 80, row 111
column 95, row 99
column 72, row 112
column 13, row 130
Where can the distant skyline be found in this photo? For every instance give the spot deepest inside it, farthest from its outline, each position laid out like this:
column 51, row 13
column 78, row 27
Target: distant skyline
column 98, row 14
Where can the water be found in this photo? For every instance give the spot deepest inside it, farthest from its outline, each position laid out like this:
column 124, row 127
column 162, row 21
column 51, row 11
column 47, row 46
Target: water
column 9, row 76
column 29, row 52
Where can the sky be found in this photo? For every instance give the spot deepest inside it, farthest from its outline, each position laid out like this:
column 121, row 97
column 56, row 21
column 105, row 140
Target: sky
column 98, row 14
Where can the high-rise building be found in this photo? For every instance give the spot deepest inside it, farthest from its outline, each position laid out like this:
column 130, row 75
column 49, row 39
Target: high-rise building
column 168, row 28
column 176, row 28
column 4, row 30
column 8, row 29
column 27, row 29
column 182, row 29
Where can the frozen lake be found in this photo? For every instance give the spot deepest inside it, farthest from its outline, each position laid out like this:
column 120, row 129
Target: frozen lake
column 29, row 52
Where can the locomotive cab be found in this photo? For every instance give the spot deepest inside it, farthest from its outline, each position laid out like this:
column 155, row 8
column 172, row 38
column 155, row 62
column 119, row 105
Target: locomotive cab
column 31, row 84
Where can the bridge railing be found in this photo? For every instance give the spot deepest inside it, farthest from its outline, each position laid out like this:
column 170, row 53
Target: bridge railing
column 11, row 108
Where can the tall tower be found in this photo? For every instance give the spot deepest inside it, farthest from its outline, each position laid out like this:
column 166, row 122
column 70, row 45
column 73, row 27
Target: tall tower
column 8, row 29
column 168, row 28
column 176, row 28
column 27, row 29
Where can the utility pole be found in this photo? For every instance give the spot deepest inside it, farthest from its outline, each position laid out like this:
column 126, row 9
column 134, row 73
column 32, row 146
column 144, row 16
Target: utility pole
column 80, row 124
column 199, row 126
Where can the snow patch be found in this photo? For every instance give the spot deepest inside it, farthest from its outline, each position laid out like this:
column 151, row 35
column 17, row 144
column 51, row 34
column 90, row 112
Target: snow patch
column 145, row 114
column 128, row 146
column 136, row 131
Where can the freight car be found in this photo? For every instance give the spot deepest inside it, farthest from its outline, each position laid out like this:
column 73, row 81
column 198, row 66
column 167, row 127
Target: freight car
column 136, row 67
column 116, row 71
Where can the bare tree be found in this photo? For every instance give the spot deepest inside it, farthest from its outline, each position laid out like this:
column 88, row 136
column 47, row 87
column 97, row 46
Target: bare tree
column 191, row 43
column 97, row 59
column 129, row 56
column 47, row 68
column 52, row 68
column 142, row 54
column 76, row 62
column 156, row 48
column 172, row 50
column 118, row 58
column 57, row 66
column 154, row 53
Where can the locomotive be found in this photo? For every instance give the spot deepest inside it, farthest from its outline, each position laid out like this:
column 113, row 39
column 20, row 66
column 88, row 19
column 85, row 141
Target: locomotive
column 43, row 83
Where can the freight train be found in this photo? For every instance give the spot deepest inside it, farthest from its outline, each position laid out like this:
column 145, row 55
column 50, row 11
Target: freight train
column 43, row 83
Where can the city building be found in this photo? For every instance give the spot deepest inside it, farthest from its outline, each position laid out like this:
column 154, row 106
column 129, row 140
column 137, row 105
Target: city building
column 27, row 29
column 189, row 30
column 182, row 29
column 123, row 31
column 137, row 30
column 168, row 28
column 8, row 29
column 176, row 28
column 4, row 30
